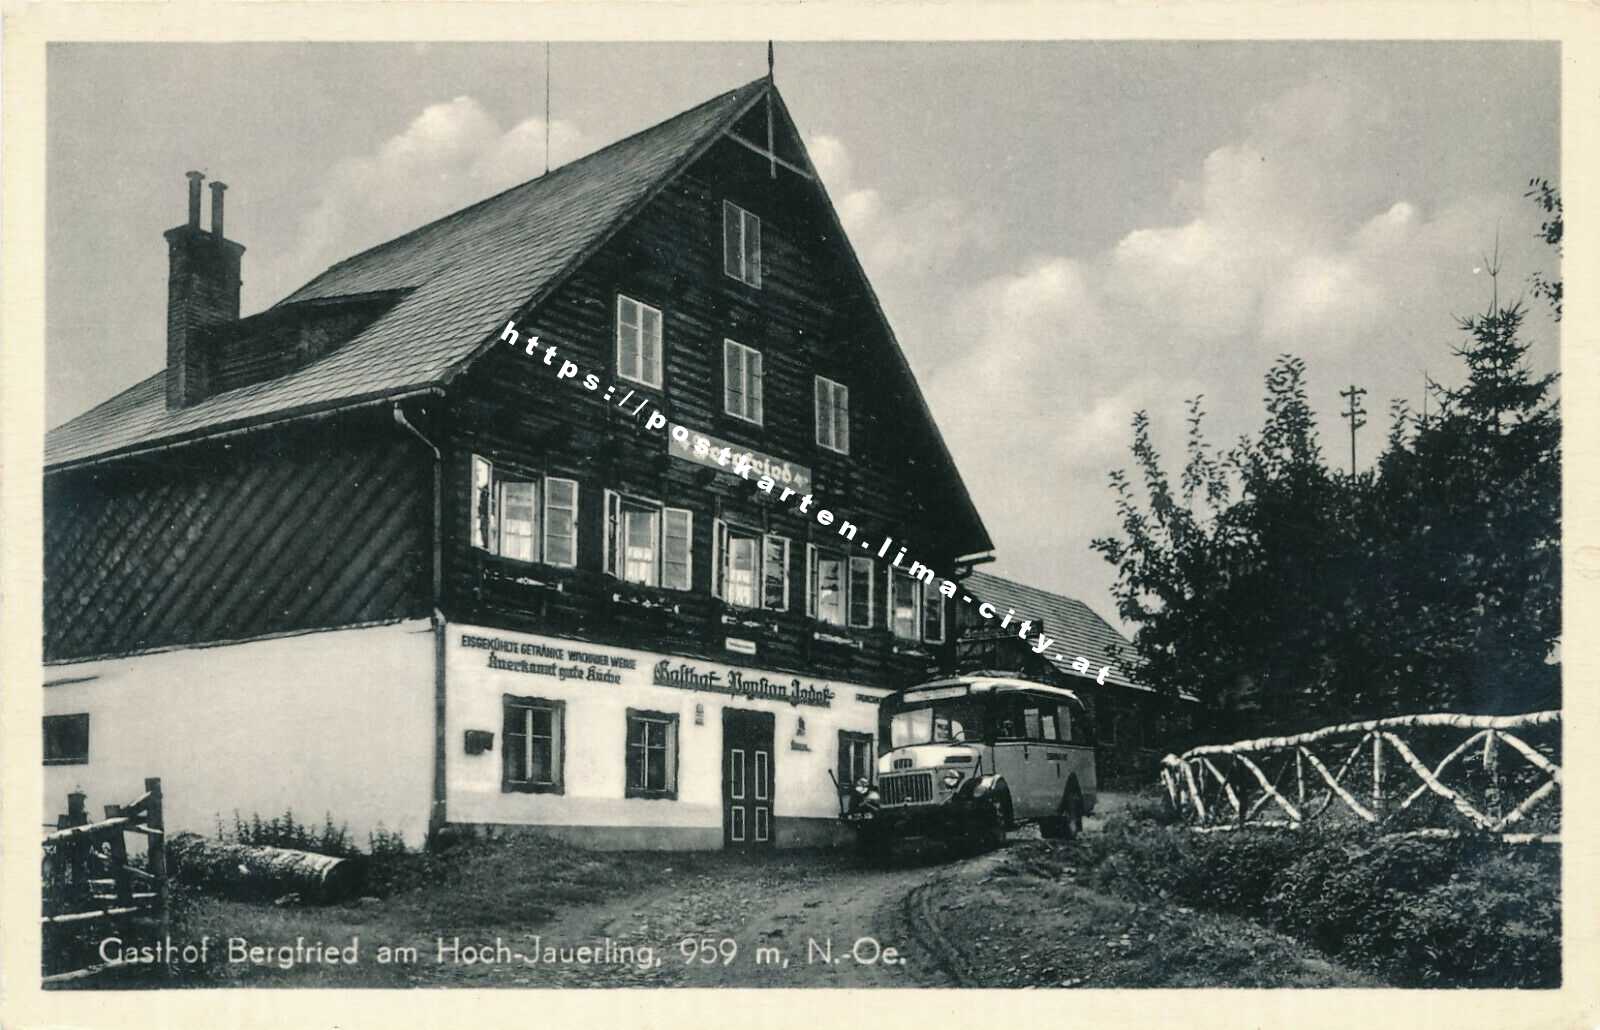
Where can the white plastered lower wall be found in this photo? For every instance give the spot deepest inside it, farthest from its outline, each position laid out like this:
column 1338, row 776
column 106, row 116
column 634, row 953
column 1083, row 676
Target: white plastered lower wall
column 339, row 722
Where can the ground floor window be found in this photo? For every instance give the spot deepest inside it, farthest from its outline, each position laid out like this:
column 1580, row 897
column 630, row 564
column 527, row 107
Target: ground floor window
column 66, row 739
column 531, row 744
column 855, row 758
column 652, row 758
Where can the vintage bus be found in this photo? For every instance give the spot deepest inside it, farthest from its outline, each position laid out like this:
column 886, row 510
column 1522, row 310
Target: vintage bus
column 971, row 757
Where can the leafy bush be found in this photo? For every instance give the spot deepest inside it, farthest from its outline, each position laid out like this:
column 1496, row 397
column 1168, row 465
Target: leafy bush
column 1418, row 912
column 285, row 831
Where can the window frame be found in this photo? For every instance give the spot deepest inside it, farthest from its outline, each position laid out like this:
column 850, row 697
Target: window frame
column 614, row 543
column 896, row 574
column 833, row 391
column 749, row 270
column 814, row 558
column 847, row 739
column 558, row 745
column 754, row 399
column 66, row 718
column 850, row 590
column 486, row 528
column 640, row 341
column 722, row 533
column 672, row 749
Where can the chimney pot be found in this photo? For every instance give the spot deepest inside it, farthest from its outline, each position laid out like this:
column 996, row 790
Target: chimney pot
column 194, row 198
column 216, row 208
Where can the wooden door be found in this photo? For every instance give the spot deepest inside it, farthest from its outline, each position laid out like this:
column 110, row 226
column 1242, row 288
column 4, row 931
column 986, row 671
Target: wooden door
column 747, row 779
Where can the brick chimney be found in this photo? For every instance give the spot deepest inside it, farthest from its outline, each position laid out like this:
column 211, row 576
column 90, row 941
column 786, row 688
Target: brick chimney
column 202, row 291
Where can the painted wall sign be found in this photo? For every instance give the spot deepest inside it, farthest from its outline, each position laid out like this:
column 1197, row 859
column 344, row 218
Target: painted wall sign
column 705, row 449
column 740, row 645
column 560, row 663
column 738, row 683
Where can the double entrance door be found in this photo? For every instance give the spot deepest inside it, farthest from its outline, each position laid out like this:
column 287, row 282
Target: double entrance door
column 747, row 785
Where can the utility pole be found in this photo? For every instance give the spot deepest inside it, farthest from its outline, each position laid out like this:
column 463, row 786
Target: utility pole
column 1353, row 413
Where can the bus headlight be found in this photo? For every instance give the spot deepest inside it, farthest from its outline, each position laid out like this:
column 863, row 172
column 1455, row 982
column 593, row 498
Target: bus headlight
column 951, row 778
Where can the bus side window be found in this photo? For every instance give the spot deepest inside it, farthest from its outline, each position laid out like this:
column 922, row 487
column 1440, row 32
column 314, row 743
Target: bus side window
column 1007, row 720
column 1069, row 733
column 1048, row 724
column 1030, row 720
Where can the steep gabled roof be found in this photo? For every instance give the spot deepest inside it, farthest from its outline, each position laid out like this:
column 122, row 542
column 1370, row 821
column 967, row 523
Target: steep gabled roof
column 466, row 273
column 1074, row 626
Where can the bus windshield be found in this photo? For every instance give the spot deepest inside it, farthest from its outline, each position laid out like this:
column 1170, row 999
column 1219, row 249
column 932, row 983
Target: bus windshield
column 935, row 722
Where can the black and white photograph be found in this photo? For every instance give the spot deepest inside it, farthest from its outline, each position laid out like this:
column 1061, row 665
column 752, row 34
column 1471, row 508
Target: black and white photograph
column 535, row 513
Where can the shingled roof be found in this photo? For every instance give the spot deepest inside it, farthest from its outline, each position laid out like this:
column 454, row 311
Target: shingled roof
column 465, row 273
column 1074, row 626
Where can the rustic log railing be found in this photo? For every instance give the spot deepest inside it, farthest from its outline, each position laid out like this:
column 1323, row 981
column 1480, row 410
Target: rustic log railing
column 1425, row 775
column 89, row 888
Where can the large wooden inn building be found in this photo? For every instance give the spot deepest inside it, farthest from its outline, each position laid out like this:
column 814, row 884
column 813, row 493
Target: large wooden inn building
column 353, row 555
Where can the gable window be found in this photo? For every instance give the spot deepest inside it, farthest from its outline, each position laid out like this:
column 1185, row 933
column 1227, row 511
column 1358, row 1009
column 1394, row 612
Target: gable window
column 752, row 568
column 506, row 517
column 652, row 758
column 66, row 739
column 855, row 758
column 647, row 543
column 741, row 244
column 638, row 342
column 531, row 744
column 932, row 613
column 833, row 415
column 741, row 381
column 905, row 605
column 861, row 593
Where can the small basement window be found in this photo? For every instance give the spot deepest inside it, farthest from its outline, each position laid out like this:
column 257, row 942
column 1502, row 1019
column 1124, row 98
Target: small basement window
column 66, row 739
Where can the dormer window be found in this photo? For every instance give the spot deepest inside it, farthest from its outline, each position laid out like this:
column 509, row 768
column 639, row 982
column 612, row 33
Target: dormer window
column 741, row 244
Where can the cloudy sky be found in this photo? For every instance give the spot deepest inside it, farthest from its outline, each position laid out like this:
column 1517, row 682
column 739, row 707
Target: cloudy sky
column 1060, row 233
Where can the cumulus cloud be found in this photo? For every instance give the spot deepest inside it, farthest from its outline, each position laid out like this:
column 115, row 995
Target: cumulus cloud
column 452, row 154
column 1291, row 238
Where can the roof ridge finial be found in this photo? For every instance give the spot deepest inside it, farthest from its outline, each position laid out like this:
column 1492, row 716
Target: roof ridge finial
column 769, row 60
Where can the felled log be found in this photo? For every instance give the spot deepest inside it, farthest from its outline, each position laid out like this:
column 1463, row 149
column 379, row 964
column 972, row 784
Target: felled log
column 258, row 871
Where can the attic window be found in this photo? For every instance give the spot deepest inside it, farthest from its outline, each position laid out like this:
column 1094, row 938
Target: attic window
column 741, row 244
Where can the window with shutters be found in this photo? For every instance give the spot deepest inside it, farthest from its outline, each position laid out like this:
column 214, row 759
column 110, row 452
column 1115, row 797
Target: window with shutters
column 752, row 568
column 741, row 378
column 638, row 342
column 827, row 586
column 833, row 415
column 531, row 744
column 507, row 519
column 741, row 244
column 647, row 543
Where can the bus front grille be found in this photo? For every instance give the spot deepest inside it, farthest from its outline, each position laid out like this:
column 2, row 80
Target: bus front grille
column 907, row 789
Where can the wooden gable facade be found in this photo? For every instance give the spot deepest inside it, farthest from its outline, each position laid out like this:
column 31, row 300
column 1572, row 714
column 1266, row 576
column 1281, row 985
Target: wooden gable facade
column 351, row 517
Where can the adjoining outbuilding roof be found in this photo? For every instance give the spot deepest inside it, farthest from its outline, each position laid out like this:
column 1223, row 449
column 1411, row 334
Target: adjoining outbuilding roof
column 465, row 273
column 1074, row 626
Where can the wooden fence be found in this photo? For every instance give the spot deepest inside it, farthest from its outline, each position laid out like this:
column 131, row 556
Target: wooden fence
column 93, row 890
column 1425, row 775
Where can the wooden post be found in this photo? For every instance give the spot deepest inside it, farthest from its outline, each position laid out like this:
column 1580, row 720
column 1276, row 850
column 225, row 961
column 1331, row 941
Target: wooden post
column 1491, row 765
column 157, row 844
column 76, row 861
column 1377, row 775
column 1299, row 780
